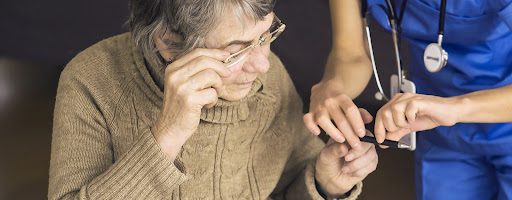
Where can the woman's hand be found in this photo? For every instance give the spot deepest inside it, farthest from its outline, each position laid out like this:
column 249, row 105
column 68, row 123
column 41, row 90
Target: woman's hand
column 407, row 112
column 336, row 173
column 191, row 82
column 339, row 167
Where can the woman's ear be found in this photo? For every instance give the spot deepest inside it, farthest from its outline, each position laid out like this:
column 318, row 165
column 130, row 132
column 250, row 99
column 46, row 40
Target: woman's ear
column 163, row 43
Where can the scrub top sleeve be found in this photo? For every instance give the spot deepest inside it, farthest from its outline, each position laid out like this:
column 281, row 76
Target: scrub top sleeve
column 506, row 15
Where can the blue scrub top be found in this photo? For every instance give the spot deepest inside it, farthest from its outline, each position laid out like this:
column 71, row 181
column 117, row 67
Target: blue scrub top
column 478, row 39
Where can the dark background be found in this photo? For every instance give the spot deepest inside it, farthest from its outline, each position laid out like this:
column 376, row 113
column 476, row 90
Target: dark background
column 37, row 38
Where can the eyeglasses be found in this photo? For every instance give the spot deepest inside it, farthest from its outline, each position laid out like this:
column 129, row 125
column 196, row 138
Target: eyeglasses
column 268, row 37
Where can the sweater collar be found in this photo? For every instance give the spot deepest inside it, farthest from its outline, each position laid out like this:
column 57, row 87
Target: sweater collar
column 231, row 111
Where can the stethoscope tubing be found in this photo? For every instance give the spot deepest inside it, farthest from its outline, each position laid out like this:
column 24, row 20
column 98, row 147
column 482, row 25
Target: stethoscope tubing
column 395, row 31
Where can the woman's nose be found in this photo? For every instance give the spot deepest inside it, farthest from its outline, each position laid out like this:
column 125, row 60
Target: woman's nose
column 258, row 60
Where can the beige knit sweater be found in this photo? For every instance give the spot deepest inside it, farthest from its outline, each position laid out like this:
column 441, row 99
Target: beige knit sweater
column 102, row 147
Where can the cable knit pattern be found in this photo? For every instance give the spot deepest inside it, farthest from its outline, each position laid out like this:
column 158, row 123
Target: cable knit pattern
column 102, row 146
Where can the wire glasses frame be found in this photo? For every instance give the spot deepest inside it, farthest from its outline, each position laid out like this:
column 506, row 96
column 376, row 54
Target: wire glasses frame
column 275, row 30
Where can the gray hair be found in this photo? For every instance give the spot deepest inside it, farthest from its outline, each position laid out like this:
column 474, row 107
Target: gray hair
column 192, row 20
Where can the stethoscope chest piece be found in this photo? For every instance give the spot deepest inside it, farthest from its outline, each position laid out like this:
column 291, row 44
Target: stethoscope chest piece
column 435, row 57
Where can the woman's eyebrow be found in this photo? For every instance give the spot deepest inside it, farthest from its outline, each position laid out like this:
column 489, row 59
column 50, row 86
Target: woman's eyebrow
column 243, row 42
column 238, row 42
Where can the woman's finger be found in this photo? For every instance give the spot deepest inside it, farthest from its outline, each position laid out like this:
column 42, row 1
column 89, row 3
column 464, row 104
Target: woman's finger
column 361, row 161
column 369, row 168
column 202, row 63
column 207, row 97
column 205, row 79
column 356, row 153
column 333, row 152
column 216, row 54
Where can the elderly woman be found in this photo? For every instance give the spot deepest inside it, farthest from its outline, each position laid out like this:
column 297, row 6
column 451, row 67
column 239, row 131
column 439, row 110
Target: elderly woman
column 192, row 104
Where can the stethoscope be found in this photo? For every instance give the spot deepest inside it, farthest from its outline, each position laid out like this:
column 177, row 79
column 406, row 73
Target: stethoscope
column 434, row 56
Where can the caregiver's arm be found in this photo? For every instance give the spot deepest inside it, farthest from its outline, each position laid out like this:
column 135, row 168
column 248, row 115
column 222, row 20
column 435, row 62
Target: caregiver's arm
column 487, row 106
column 416, row 112
column 348, row 61
column 347, row 73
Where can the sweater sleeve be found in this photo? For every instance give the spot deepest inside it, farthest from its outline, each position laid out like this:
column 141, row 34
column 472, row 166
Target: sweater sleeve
column 82, row 162
column 298, row 179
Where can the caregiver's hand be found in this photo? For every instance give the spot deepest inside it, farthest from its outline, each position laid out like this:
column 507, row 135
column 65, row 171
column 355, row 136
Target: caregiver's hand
column 328, row 102
column 407, row 112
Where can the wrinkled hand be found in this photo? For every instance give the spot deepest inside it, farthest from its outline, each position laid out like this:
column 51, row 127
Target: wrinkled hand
column 328, row 102
column 338, row 169
column 407, row 112
column 191, row 82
